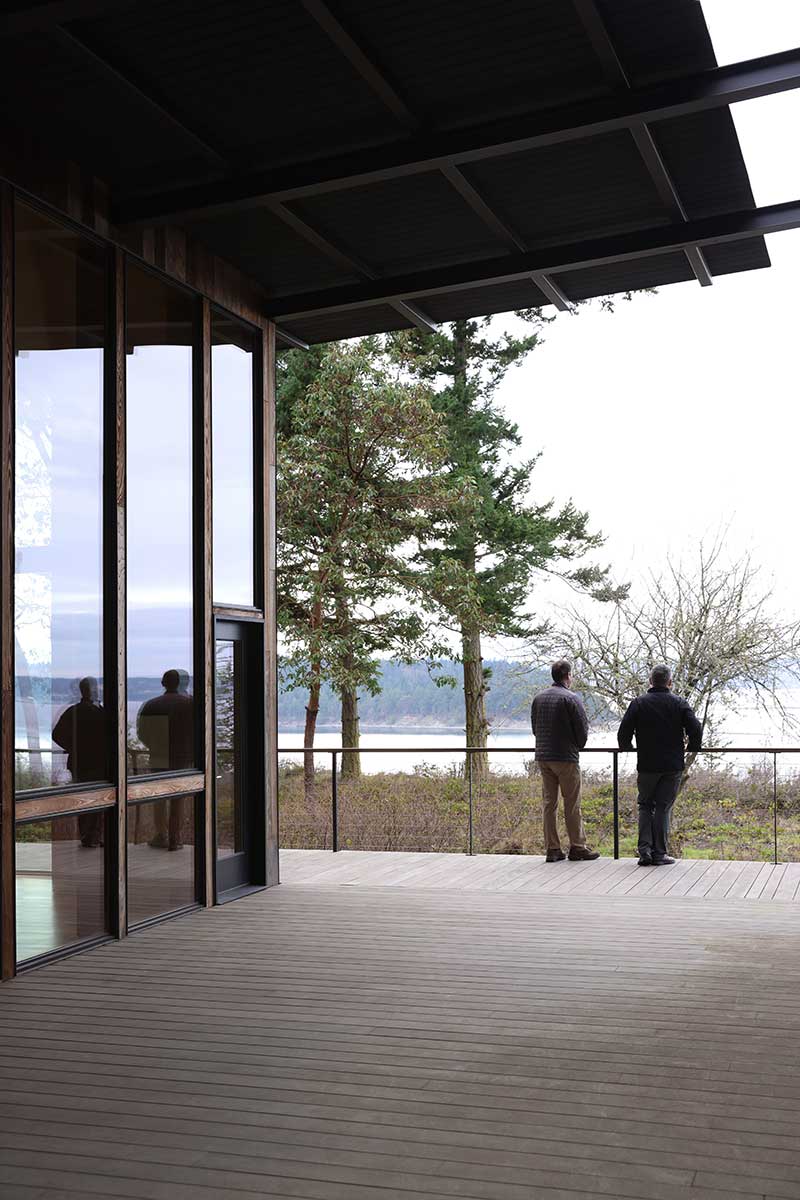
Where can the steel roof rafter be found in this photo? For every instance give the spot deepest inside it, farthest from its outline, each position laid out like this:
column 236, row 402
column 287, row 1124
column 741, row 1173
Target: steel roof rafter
column 598, row 33
column 551, row 259
column 470, row 194
column 348, row 262
column 120, row 76
column 431, row 150
column 361, row 60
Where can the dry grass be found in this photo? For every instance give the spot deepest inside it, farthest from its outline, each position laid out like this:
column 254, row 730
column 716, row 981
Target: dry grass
column 720, row 814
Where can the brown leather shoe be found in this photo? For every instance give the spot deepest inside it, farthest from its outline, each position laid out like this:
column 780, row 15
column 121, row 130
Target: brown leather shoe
column 582, row 854
column 555, row 856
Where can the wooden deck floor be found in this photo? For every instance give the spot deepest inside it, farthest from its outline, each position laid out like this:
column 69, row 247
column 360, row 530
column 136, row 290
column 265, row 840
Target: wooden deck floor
column 447, row 1035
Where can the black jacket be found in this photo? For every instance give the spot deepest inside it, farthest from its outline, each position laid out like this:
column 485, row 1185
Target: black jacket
column 559, row 723
column 660, row 721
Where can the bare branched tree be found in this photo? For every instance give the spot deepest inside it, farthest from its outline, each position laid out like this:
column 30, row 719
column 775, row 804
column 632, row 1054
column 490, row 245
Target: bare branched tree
column 710, row 620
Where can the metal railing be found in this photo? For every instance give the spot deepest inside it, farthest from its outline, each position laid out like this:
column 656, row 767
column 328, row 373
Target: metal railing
column 469, row 751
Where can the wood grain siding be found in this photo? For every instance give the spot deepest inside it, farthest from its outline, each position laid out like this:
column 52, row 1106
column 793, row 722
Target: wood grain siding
column 204, row 499
column 230, row 612
column 172, row 785
column 7, row 906
column 40, row 807
column 270, row 605
column 119, row 614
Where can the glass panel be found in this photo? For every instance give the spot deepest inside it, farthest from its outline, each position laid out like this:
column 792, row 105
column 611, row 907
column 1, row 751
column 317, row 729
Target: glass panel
column 228, row 749
column 162, row 730
column 60, row 883
column 161, row 863
column 232, row 346
column 61, row 731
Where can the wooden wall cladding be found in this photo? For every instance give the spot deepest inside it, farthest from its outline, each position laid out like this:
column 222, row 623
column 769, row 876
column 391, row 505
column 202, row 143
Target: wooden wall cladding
column 206, row 588
column 171, row 785
column 41, row 807
column 7, row 842
column 116, row 527
column 270, row 605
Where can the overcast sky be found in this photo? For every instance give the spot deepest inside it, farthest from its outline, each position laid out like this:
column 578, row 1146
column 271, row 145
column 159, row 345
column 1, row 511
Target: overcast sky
column 677, row 415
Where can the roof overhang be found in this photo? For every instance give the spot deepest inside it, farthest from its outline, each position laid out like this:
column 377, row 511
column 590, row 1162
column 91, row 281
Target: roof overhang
column 381, row 166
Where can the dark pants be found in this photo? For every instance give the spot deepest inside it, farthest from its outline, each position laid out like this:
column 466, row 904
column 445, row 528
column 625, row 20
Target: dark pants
column 657, row 792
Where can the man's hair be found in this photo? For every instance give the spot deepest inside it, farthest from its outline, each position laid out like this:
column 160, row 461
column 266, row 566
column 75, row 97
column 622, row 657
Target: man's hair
column 661, row 676
column 560, row 670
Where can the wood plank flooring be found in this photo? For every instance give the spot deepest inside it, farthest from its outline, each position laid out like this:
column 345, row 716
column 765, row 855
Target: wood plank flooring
column 398, row 1027
column 695, row 878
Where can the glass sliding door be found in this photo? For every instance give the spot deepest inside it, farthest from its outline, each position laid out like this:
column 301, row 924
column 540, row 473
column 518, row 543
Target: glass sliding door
column 162, row 716
column 62, row 735
column 239, row 751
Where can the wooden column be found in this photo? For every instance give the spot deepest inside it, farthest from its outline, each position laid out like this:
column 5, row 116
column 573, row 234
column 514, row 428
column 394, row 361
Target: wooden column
column 270, row 613
column 205, row 608
column 119, row 613
column 7, row 839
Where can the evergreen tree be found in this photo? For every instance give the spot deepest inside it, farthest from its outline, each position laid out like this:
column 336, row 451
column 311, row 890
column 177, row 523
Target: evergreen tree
column 359, row 481
column 505, row 538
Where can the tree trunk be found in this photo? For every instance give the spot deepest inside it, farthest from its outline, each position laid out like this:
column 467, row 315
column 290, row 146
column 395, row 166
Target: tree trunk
column 312, row 708
column 351, row 763
column 312, row 711
column 477, row 726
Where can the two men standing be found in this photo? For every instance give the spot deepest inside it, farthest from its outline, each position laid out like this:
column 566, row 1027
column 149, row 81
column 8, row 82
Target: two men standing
column 659, row 720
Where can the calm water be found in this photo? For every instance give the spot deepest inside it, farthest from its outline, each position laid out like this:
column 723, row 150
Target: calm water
column 409, row 748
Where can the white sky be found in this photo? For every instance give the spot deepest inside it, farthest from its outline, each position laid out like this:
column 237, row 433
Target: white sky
column 678, row 414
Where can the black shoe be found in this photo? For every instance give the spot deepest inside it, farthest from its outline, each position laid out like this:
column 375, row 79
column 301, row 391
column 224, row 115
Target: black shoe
column 645, row 860
column 582, row 854
column 666, row 861
column 555, row 856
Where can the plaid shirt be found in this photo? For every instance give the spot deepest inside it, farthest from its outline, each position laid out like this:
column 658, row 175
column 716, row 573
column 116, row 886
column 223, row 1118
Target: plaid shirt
column 559, row 723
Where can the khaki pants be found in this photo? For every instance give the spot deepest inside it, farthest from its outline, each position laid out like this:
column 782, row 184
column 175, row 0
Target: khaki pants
column 567, row 776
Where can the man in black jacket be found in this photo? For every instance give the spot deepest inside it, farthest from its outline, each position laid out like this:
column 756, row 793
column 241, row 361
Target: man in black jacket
column 561, row 727
column 661, row 722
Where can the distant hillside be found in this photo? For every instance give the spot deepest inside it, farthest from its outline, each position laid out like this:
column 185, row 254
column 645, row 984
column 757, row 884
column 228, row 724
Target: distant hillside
column 411, row 698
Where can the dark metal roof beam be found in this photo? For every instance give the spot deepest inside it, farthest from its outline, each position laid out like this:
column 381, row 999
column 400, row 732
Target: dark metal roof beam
column 643, row 243
column 144, row 94
column 491, row 220
column 295, row 343
column 482, row 210
column 552, row 291
column 424, row 152
column 358, row 58
column 597, row 31
column 349, row 263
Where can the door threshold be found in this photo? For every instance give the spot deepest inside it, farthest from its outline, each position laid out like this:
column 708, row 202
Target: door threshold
column 237, row 893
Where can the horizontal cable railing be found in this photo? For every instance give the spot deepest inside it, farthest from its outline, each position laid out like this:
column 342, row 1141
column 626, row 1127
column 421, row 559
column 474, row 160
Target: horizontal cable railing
column 336, row 753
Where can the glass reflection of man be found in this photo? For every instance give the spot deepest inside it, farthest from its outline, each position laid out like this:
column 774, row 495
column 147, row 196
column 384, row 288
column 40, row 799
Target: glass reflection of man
column 166, row 726
column 82, row 730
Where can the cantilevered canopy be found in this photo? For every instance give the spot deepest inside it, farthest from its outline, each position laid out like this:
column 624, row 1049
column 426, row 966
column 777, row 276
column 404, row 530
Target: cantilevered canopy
column 375, row 164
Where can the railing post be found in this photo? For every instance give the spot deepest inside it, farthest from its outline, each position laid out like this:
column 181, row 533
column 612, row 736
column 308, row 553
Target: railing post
column 334, row 804
column 615, row 798
column 469, row 789
column 775, row 806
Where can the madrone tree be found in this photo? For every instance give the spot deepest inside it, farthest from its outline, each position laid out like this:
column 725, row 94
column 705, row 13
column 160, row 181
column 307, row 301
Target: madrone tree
column 360, row 480
column 507, row 537
column 710, row 619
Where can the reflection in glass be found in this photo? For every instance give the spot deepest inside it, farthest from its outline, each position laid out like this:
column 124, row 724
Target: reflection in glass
column 228, row 750
column 232, row 346
column 60, row 297
column 161, row 727
column 161, row 857
column 60, row 883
